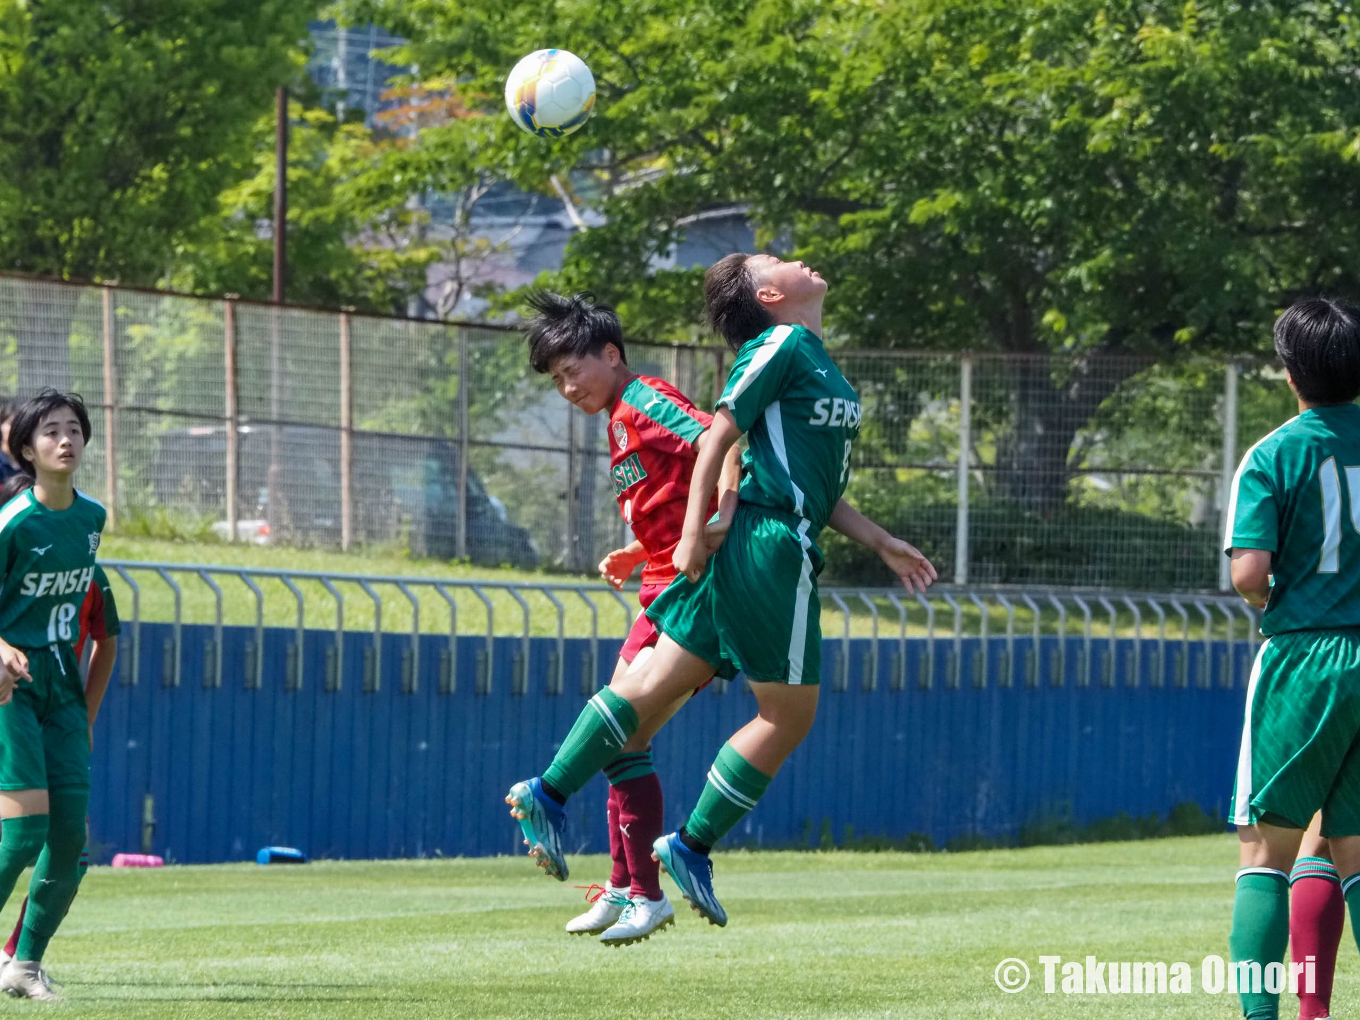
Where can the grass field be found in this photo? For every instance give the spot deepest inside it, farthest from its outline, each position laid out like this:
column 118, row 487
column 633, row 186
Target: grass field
column 198, row 603
column 813, row 935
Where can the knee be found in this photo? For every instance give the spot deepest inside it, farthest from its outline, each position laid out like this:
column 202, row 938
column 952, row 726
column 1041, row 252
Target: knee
column 22, row 839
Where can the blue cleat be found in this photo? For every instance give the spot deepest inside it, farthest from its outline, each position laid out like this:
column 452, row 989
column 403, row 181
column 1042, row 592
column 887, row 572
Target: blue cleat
column 693, row 873
column 543, row 822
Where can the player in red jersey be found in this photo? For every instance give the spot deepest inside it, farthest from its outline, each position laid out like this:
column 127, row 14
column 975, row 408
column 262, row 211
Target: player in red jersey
column 654, row 432
column 98, row 621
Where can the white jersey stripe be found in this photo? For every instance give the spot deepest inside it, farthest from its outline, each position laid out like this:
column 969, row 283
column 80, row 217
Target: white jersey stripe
column 803, row 596
column 1242, row 802
column 16, row 506
column 762, row 357
column 774, row 423
column 90, row 499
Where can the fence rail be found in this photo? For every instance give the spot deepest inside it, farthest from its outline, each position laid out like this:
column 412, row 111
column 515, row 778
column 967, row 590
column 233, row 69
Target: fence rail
column 1000, row 619
column 293, row 425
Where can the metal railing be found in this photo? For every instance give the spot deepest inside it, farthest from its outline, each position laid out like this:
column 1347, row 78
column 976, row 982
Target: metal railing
column 989, row 624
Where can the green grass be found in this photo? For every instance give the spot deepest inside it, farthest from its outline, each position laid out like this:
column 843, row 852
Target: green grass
column 813, row 935
column 199, row 606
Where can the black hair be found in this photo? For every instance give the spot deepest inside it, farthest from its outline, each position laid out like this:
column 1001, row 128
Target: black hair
column 734, row 312
column 570, row 325
column 30, row 416
column 1318, row 339
column 19, row 482
column 8, row 407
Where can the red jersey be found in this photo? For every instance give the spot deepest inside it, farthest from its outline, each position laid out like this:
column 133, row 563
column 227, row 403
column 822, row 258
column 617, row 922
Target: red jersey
column 98, row 613
column 652, row 431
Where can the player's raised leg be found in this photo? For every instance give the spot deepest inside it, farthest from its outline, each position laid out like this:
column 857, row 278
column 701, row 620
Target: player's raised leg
column 736, row 781
column 1317, row 915
column 600, row 733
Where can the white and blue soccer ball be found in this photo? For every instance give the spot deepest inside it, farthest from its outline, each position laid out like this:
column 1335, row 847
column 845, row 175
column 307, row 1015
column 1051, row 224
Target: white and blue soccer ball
column 550, row 93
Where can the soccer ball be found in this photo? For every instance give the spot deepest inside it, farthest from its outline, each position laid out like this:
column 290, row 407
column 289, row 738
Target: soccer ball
column 550, row 93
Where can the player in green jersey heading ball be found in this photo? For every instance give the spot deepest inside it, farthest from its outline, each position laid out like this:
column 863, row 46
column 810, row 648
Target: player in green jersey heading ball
column 48, row 538
column 1293, row 531
column 753, row 607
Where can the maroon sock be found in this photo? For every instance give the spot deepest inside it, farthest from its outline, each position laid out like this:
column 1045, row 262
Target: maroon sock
column 620, row 877
column 1317, row 912
column 12, row 946
column 640, row 819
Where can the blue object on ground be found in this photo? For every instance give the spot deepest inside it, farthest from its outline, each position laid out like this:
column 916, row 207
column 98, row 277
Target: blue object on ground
column 280, row 855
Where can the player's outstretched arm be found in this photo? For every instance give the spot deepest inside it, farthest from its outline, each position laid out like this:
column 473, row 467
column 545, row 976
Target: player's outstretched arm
column 619, row 565
column 692, row 552
column 1251, row 575
column 903, row 559
column 729, row 481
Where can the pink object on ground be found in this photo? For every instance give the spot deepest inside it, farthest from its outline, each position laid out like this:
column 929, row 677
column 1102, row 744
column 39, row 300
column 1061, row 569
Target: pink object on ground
column 137, row 861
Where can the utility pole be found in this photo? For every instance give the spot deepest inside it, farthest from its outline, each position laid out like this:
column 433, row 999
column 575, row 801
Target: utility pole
column 274, row 511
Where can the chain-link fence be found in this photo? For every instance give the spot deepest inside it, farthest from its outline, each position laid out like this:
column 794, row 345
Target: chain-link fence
column 254, row 423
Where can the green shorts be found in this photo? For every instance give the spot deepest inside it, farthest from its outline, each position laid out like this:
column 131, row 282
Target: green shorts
column 45, row 729
column 755, row 609
column 1300, row 748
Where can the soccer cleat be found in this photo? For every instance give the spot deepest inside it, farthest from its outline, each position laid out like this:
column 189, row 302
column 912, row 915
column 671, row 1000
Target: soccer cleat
column 543, row 821
column 640, row 919
column 604, row 911
column 693, row 873
column 25, row 979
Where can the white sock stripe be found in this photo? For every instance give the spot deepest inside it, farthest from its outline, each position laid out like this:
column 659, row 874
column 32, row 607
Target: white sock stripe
column 729, row 791
column 1262, row 871
column 1346, row 885
column 603, row 711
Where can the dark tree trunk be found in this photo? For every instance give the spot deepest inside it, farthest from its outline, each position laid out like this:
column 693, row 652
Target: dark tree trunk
column 1051, row 401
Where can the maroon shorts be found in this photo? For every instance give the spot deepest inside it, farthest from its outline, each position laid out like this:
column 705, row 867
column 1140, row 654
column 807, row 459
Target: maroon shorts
column 643, row 635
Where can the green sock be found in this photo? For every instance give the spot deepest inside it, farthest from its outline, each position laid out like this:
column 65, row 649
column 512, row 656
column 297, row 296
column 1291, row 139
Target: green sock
column 630, row 765
column 1350, row 890
column 734, row 785
column 600, row 732
column 21, row 841
column 1260, row 933
column 57, row 874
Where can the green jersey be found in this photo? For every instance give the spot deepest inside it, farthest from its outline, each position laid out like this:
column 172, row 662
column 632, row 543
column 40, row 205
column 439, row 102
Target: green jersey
column 1297, row 495
column 800, row 416
column 47, row 557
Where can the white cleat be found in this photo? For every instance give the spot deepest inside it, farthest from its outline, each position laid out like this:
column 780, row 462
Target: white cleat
column 639, row 920
column 25, row 979
column 602, row 914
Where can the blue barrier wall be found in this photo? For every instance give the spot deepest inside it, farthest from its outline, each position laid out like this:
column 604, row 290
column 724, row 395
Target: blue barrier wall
column 398, row 765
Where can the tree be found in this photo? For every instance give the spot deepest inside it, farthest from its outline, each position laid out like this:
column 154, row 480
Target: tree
column 123, row 121
column 353, row 237
column 1080, row 177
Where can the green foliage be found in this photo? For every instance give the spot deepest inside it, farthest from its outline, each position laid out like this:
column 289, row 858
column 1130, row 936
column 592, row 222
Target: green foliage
column 1012, row 544
column 1077, row 176
column 353, row 239
column 125, row 120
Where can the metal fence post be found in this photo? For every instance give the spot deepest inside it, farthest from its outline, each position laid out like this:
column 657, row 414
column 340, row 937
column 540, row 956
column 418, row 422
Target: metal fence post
column 1231, row 372
column 462, row 443
column 346, row 436
column 110, row 418
column 233, row 413
column 965, row 449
